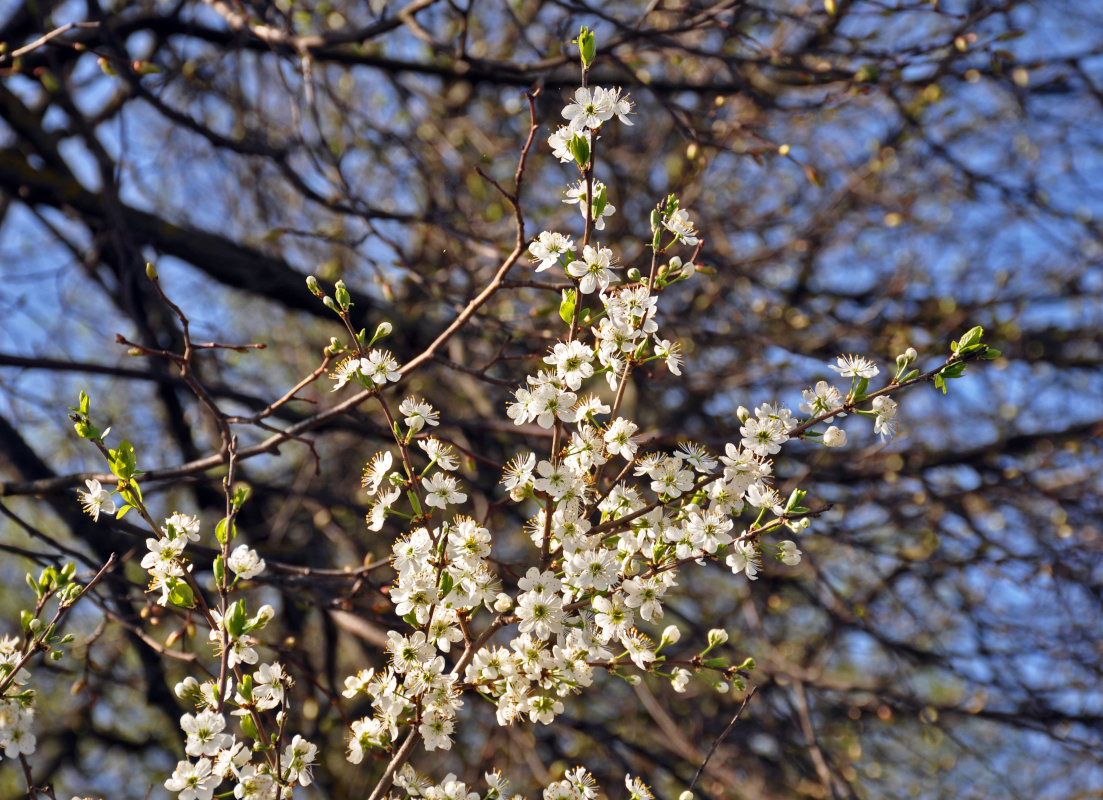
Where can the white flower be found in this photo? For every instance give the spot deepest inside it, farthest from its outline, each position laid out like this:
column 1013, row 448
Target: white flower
column 193, row 781
column 851, row 366
column 588, row 110
column 204, row 733
column 441, row 490
column 541, row 613
column 572, row 361
column 681, row 679
column 637, row 789
column 245, row 562
column 670, row 353
column 436, row 731
column 376, row 471
column 417, row 414
column 182, row 525
column 547, row 249
column 821, row 399
column 886, row 422
column 763, row 437
column 298, row 758
column 743, row 559
column 680, row 225
column 380, row 366
column 788, row 553
column 345, row 371
column 834, row 437
column 96, row 499
column 439, row 453
column 593, row 270
column 576, row 195
column 619, row 438
column 517, row 476
column 621, row 106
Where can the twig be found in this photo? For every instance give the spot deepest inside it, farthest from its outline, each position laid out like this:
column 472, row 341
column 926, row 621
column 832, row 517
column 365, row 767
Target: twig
column 45, row 39
column 721, row 737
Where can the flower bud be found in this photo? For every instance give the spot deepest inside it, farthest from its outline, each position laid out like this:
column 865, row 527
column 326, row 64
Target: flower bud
column 187, row 688
column 717, row 636
column 743, row 413
column 503, row 603
column 671, row 635
column 312, row 285
column 834, row 437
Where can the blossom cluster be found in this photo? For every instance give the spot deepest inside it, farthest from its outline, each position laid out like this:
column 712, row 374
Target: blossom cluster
column 612, row 521
column 220, row 755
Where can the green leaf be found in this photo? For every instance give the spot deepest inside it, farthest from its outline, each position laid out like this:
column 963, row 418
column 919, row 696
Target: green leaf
column 940, row 383
column 220, row 571
column 182, row 595
column 446, row 584
column 909, row 376
column 249, row 728
column 860, row 390
column 990, row 354
column 235, row 619
column 972, row 336
column 567, row 306
column 220, row 531
column 601, row 199
column 580, row 149
column 124, row 463
column 241, row 494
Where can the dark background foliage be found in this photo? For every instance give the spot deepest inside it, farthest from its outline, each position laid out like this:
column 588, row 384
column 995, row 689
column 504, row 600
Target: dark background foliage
column 881, row 177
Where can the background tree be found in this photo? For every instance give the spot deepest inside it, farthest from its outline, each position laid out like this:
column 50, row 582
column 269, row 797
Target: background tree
column 867, row 176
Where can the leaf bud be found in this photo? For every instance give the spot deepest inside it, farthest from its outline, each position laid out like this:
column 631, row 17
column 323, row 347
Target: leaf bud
column 580, row 149
column 151, row 271
column 344, row 300
column 587, row 46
